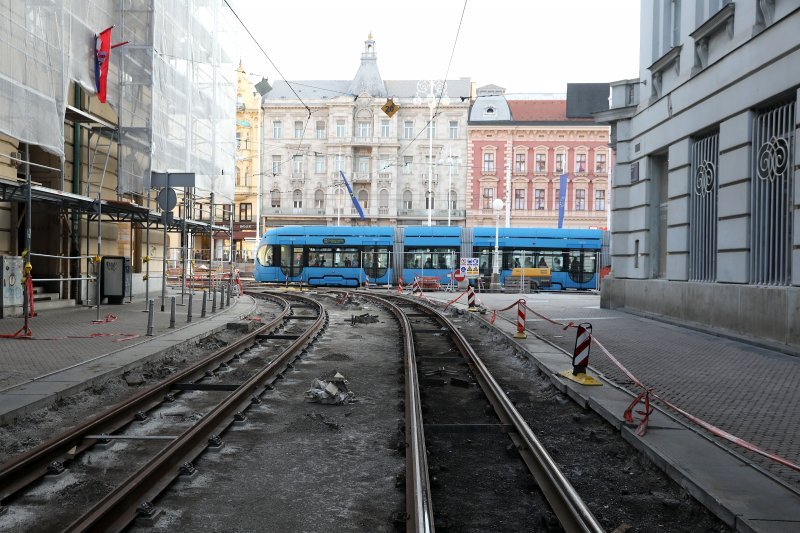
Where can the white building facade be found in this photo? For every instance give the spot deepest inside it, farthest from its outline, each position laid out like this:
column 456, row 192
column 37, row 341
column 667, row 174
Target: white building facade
column 399, row 167
column 705, row 199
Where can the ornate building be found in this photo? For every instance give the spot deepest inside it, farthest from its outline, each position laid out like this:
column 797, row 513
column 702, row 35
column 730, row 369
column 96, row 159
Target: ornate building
column 399, row 166
column 518, row 149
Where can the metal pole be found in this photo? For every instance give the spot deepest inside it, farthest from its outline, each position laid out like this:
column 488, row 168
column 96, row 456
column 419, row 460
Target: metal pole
column 164, row 252
column 430, row 157
column 172, row 313
column 203, row 308
column 495, row 266
column 213, row 300
column 230, row 256
column 508, row 191
column 150, row 312
column 211, row 245
column 449, row 182
column 184, row 244
column 147, row 253
column 97, row 263
column 260, row 195
column 189, row 310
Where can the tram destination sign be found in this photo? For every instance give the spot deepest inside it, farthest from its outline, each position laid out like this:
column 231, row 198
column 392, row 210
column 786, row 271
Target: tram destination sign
column 332, row 241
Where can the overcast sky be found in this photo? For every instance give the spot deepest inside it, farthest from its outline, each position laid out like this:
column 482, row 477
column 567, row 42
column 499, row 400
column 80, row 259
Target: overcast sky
column 526, row 46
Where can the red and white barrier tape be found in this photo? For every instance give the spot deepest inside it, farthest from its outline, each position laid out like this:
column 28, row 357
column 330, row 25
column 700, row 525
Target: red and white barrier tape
column 647, row 393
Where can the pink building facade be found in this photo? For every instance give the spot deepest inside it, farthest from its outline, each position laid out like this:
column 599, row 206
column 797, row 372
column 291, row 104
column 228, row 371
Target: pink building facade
column 530, row 144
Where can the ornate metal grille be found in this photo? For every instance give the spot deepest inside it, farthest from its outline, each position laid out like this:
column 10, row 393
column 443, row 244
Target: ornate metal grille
column 703, row 194
column 771, row 199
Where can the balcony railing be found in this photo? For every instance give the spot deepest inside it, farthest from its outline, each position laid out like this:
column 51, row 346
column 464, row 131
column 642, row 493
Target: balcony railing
column 361, row 177
column 438, row 213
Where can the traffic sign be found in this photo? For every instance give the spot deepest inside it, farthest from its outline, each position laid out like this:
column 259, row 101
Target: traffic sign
column 469, row 265
column 390, row 108
column 458, row 275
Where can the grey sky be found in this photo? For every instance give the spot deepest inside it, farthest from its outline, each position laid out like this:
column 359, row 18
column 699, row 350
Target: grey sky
column 526, row 46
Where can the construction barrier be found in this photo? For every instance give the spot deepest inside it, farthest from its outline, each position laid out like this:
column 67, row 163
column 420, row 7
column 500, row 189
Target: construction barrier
column 580, row 356
column 471, row 299
column 520, row 333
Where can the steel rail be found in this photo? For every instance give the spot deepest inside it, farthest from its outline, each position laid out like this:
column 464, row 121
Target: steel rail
column 31, row 465
column 120, row 507
column 419, row 507
column 566, row 503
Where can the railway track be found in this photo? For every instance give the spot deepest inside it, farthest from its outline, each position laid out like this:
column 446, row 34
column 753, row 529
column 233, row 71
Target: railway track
column 220, row 405
column 452, row 437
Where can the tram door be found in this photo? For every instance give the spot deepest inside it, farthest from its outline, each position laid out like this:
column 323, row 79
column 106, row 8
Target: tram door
column 376, row 261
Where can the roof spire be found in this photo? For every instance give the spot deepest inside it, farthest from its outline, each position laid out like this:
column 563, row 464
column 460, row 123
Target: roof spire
column 368, row 79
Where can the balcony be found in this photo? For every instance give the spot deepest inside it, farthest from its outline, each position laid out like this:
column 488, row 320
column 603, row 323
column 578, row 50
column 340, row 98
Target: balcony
column 436, row 213
column 361, row 177
column 427, row 175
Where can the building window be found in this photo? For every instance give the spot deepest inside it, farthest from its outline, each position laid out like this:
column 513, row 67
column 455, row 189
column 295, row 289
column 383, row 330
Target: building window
column 340, row 131
column 339, row 161
column 408, row 129
column 363, row 198
column 297, row 199
column 297, row 165
column 363, row 165
column 364, row 129
column 599, row 200
column 560, row 163
column 580, row 199
column 319, row 164
column 407, row 202
column 276, row 165
column 557, row 198
column 541, row 163
column 675, row 18
column 319, row 199
column 430, row 200
column 488, row 197
column 520, row 163
column 226, row 212
column 703, row 201
column 275, row 198
column 519, row 199
column 489, row 112
column 454, row 129
column 580, row 163
column 453, row 200
column 277, row 129
column 539, row 199
column 238, row 140
column 320, row 129
column 600, row 163
column 384, row 165
column 488, row 161
column 431, row 129
column 385, row 126
column 408, row 161
column 245, row 212
column 298, row 129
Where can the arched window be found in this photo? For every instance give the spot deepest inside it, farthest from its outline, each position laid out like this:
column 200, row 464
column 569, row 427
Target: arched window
column 319, row 199
column 407, row 202
column 383, row 202
column 363, row 198
column 297, row 198
column 453, row 200
column 430, row 200
column 275, row 198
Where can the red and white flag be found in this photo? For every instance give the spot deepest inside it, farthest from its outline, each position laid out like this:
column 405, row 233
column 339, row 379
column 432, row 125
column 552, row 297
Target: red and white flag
column 101, row 55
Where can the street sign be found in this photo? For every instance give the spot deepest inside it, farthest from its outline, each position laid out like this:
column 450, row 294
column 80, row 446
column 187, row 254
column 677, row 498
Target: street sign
column 167, row 199
column 458, row 275
column 390, row 108
column 469, row 266
column 176, row 179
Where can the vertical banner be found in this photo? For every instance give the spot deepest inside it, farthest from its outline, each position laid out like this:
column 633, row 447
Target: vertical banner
column 562, row 197
column 102, row 51
column 353, row 196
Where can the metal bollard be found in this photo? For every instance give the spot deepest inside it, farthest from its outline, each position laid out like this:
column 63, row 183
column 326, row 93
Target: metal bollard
column 213, row 301
column 228, row 297
column 172, row 313
column 189, row 309
column 203, row 308
column 221, row 296
column 151, row 307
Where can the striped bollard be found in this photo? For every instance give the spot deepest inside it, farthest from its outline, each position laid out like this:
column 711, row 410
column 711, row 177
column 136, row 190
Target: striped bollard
column 520, row 333
column 287, row 281
column 400, row 285
column 366, row 282
column 580, row 357
column 471, row 299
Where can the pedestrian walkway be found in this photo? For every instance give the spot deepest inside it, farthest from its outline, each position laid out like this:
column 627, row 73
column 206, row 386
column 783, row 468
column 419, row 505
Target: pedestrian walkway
column 747, row 391
column 70, row 349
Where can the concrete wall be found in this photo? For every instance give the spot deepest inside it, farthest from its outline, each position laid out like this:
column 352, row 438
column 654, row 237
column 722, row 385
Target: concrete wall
column 763, row 313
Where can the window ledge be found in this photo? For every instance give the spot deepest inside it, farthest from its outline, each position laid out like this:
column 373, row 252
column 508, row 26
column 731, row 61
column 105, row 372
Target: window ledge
column 672, row 57
column 721, row 19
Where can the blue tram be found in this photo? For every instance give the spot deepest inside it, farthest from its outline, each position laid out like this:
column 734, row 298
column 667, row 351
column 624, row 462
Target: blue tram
column 346, row 256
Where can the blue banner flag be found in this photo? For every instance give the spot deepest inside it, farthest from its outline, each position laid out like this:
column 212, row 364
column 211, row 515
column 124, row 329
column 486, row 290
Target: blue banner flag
column 562, row 197
column 353, row 197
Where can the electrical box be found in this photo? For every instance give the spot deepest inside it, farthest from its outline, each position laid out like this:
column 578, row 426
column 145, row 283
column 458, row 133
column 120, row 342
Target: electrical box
column 116, row 278
column 11, row 296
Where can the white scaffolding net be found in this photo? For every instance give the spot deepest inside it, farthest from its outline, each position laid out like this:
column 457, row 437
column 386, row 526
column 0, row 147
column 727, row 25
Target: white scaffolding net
column 173, row 85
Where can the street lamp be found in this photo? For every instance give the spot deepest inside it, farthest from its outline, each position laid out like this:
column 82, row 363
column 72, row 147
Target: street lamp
column 435, row 92
column 497, row 205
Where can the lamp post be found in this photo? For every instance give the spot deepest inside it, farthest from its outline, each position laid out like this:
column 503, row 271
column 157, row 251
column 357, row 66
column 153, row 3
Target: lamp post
column 449, row 182
column 435, row 92
column 497, row 205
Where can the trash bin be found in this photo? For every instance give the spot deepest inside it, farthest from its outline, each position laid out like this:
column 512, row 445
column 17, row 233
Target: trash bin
column 116, row 278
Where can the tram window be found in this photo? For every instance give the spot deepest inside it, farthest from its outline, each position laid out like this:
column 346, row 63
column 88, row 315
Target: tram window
column 345, row 257
column 264, row 255
column 320, row 257
column 518, row 259
column 286, row 256
column 555, row 260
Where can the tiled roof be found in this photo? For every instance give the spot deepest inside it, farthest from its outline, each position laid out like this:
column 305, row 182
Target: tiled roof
column 540, row 111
